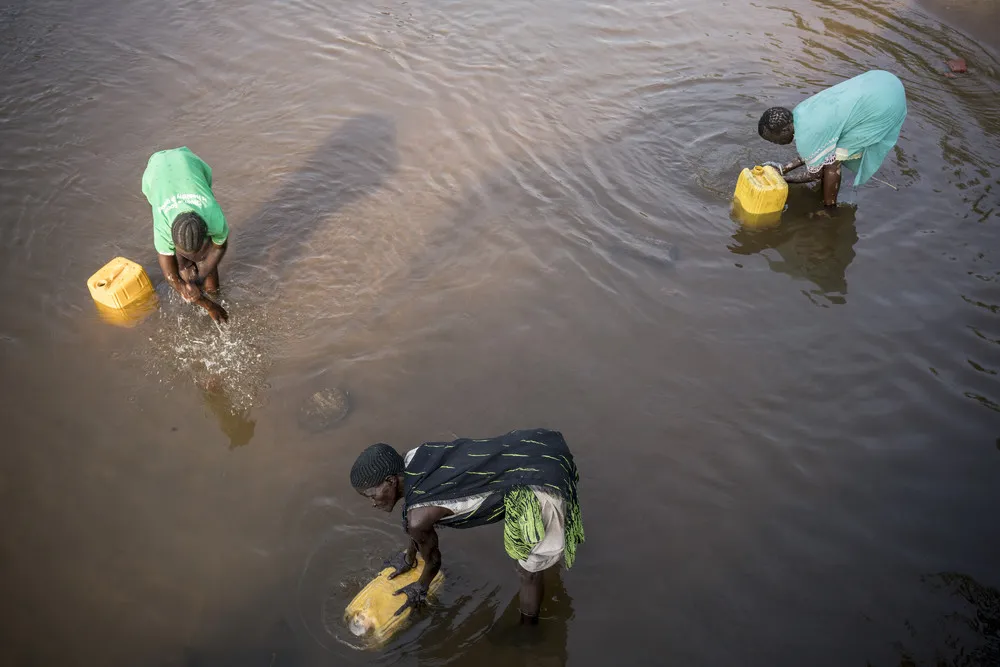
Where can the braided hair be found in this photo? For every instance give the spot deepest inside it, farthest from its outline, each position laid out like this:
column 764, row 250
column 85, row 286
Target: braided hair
column 189, row 231
column 374, row 465
column 776, row 125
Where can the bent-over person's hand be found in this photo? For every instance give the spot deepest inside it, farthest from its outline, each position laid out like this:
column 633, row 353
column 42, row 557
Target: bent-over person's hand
column 777, row 167
column 216, row 312
column 400, row 564
column 189, row 273
column 416, row 597
column 189, row 292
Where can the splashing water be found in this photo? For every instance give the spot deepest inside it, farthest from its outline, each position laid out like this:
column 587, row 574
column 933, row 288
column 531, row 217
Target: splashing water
column 228, row 360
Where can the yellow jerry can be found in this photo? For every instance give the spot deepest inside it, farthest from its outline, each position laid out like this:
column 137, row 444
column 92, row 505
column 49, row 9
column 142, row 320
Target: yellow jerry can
column 371, row 613
column 761, row 190
column 120, row 283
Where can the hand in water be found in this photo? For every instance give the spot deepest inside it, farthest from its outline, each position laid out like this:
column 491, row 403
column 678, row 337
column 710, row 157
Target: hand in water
column 399, row 564
column 217, row 312
column 189, row 273
column 416, row 597
column 190, row 293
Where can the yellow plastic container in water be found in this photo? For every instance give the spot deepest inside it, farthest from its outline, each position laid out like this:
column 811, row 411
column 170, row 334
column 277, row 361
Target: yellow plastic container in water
column 132, row 314
column 755, row 221
column 119, row 284
column 761, row 190
column 371, row 613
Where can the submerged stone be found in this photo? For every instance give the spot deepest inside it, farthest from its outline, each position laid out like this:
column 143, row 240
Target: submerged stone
column 324, row 409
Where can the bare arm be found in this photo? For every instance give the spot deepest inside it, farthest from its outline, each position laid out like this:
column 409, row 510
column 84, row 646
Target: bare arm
column 215, row 311
column 794, row 164
column 214, row 256
column 189, row 292
column 420, row 527
column 424, row 536
column 831, row 184
column 803, row 177
column 168, row 264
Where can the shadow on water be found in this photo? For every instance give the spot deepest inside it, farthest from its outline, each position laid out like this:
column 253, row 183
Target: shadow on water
column 466, row 629
column 810, row 243
column 352, row 163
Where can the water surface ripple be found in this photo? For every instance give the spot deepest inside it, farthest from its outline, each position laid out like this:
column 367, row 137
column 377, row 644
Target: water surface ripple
column 471, row 217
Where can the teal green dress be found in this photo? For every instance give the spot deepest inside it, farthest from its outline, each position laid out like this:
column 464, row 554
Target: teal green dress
column 856, row 122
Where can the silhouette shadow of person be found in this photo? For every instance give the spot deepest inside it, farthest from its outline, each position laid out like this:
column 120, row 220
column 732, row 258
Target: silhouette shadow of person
column 353, row 162
column 808, row 244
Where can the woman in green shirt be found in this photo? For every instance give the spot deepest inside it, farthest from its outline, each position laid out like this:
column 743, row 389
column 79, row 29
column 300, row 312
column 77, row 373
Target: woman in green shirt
column 189, row 230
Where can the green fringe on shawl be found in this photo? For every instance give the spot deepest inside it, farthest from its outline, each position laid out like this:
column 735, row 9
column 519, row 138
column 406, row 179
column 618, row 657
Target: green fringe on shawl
column 523, row 527
column 574, row 530
column 522, row 524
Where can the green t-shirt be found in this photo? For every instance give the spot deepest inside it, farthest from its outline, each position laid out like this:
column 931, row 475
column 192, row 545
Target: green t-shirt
column 177, row 181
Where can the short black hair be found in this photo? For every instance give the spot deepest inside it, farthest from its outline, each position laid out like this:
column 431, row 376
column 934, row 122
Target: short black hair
column 774, row 122
column 374, row 465
column 189, row 231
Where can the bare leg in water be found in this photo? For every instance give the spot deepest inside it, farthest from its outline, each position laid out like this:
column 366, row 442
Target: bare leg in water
column 831, row 183
column 532, row 590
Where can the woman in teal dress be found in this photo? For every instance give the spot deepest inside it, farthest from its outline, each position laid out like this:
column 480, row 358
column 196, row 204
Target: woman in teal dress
column 855, row 123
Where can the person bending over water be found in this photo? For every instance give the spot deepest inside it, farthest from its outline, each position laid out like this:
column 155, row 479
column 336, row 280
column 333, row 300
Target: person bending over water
column 856, row 123
column 189, row 231
column 527, row 479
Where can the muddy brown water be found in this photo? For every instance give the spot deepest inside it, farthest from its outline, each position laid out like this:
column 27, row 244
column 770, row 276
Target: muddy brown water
column 477, row 216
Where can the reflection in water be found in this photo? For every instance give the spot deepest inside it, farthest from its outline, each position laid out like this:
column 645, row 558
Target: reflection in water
column 504, row 641
column 131, row 316
column 233, row 421
column 817, row 246
column 228, row 364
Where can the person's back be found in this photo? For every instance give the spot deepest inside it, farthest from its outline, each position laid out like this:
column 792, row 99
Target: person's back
column 858, row 120
column 190, row 233
column 176, row 181
column 855, row 123
column 527, row 479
